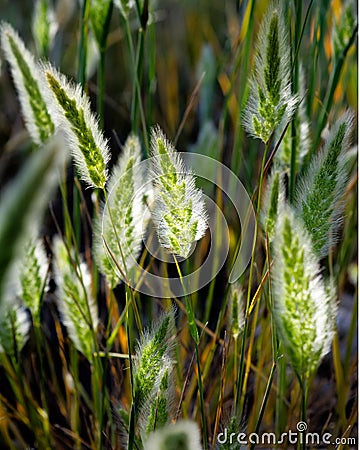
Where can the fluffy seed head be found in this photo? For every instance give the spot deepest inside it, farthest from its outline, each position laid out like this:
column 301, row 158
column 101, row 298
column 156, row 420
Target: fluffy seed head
column 274, row 198
column 319, row 191
column 179, row 210
column 30, row 85
column 126, row 191
column 152, row 356
column 89, row 147
column 270, row 100
column 33, row 271
column 236, row 316
column 15, row 326
column 76, row 303
column 304, row 308
column 44, row 26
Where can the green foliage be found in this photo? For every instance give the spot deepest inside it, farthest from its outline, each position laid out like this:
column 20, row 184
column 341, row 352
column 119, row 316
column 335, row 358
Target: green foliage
column 343, row 27
column 185, row 67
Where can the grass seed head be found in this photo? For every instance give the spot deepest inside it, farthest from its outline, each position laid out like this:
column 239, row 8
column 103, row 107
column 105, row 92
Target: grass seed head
column 319, row 191
column 88, row 145
column 30, row 85
column 270, row 99
column 303, row 306
column 179, row 210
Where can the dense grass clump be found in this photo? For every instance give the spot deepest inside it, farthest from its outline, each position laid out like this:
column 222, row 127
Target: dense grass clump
column 125, row 320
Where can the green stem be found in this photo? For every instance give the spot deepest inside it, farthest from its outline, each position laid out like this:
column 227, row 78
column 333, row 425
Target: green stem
column 280, row 417
column 195, row 335
column 304, row 397
column 237, row 153
column 132, row 418
column 295, row 87
column 136, row 97
column 101, row 87
column 239, row 388
column 333, row 82
column 264, row 401
column 82, row 54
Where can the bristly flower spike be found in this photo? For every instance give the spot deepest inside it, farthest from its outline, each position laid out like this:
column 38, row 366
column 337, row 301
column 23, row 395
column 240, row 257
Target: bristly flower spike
column 44, row 26
column 179, row 211
column 270, row 99
column 76, row 303
column 274, row 198
column 33, row 270
column 319, row 191
column 15, row 327
column 303, row 308
column 123, row 229
column 236, row 317
column 30, row 85
column 152, row 356
column 89, row 147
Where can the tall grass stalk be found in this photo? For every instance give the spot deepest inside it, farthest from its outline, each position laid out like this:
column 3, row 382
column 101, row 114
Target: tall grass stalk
column 136, row 59
column 83, row 44
column 195, row 336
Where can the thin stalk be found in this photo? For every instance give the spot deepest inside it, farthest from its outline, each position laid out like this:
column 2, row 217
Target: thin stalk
column 132, row 418
column 350, row 335
column 280, row 415
column 218, row 238
column 136, row 87
column 125, row 271
column 264, row 401
column 333, row 82
column 294, row 87
column 195, row 335
column 74, row 396
column 236, row 362
column 240, row 377
column 247, row 363
column 237, row 149
column 101, row 68
column 82, row 54
column 76, row 214
column 101, row 87
column 304, row 397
